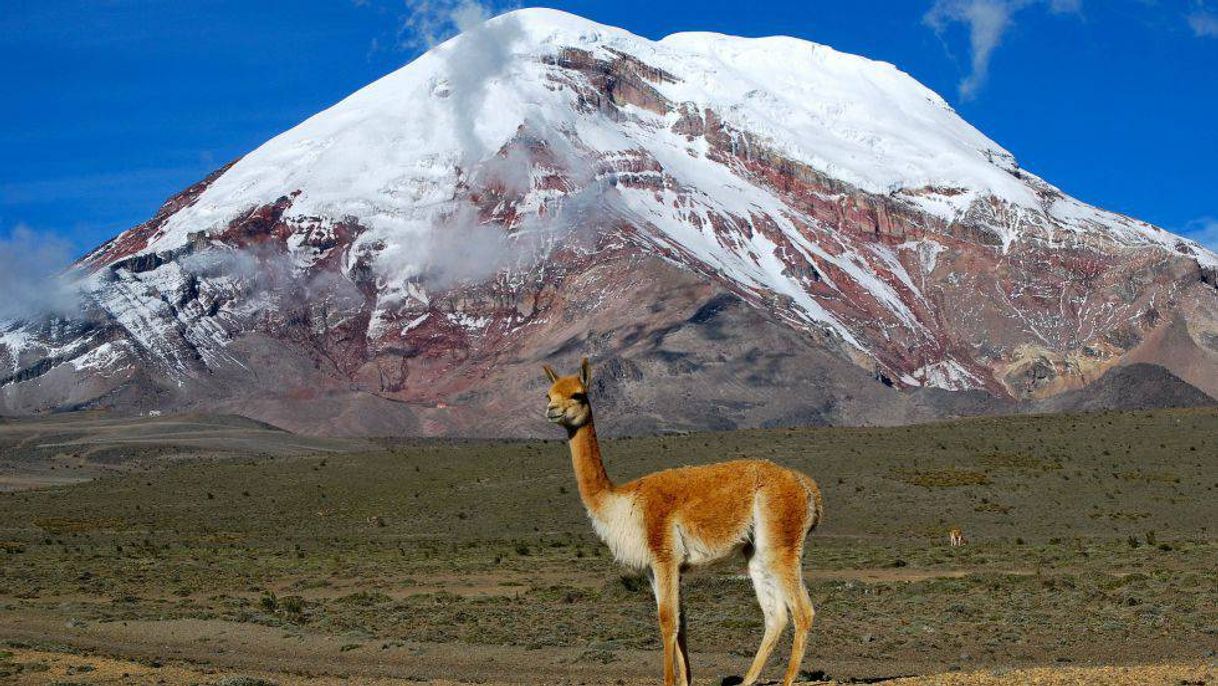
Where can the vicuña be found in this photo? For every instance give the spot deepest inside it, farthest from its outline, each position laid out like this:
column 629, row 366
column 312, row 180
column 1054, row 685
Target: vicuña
column 666, row 522
column 955, row 537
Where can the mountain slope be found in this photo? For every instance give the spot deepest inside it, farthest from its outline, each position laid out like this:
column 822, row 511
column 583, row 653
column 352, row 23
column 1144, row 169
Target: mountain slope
column 1138, row 386
column 745, row 231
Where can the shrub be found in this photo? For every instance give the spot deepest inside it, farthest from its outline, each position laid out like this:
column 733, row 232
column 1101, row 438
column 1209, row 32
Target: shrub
column 269, row 602
column 244, row 681
column 633, row 582
column 941, row 478
column 292, row 604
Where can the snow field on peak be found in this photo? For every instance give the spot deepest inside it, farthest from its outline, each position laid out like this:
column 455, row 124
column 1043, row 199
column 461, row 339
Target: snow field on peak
column 391, row 150
column 394, row 154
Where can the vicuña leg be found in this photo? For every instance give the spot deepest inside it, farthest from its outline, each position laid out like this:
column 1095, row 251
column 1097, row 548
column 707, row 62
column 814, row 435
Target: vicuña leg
column 802, row 615
column 773, row 606
column 666, row 579
column 682, row 643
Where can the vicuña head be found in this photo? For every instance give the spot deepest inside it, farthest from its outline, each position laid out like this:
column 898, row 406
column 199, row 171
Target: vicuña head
column 665, row 522
column 567, row 399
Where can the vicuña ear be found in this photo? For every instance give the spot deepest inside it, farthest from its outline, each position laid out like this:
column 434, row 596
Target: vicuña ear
column 585, row 373
column 550, row 373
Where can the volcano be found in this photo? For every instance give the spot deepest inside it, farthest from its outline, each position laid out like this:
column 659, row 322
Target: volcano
column 740, row 232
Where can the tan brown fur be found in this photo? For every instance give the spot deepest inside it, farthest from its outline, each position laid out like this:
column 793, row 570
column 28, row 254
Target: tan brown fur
column 668, row 521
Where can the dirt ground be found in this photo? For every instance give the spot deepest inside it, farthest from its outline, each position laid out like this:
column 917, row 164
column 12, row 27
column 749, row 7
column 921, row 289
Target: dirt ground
column 46, row 667
column 1091, row 560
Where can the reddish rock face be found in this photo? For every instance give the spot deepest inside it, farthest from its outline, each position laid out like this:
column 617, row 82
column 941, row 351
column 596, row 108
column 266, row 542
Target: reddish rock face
column 134, row 240
column 866, row 301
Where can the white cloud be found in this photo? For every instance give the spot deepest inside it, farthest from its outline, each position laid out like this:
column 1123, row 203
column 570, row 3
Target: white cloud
column 465, row 247
column 427, row 23
column 1203, row 21
column 1204, row 230
column 32, row 278
column 987, row 22
column 481, row 55
column 420, row 25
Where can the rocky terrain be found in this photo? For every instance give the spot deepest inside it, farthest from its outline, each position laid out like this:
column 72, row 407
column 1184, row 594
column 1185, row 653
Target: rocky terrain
column 741, row 232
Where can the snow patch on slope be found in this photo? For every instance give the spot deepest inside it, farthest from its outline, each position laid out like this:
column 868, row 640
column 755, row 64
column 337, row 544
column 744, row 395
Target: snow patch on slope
column 104, row 359
column 946, row 374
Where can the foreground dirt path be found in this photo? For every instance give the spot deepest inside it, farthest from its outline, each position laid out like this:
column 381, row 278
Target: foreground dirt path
column 1141, row 675
column 42, row 668
column 43, row 650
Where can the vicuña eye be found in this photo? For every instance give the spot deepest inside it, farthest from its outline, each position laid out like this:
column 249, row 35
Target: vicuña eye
column 579, row 397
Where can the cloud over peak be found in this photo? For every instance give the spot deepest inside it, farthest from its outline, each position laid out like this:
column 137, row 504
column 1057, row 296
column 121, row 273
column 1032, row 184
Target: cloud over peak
column 32, row 277
column 987, row 22
column 1204, row 230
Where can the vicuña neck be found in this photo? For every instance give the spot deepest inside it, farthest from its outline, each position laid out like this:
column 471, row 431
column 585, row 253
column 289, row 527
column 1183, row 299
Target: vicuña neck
column 589, row 470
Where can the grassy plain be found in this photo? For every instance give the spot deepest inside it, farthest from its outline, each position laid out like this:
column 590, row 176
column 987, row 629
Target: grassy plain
column 1092, row 542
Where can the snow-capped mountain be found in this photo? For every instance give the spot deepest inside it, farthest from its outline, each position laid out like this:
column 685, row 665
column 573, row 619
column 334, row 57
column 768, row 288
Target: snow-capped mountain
column 744, row 231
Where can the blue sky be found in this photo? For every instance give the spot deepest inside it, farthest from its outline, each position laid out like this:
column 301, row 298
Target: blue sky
column 114, row 105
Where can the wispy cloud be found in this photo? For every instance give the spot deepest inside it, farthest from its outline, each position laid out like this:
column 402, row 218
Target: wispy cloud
column 987, row 22
column 32, row 276
column 1066, row 6
column 1203, row 20
column 1204, row 230
column 427, row 23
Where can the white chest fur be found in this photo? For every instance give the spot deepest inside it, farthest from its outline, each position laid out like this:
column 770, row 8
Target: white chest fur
column 619, row 523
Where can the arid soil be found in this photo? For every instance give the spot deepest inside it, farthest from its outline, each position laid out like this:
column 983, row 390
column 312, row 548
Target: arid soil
column 41, row 667
column 1092, row 559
